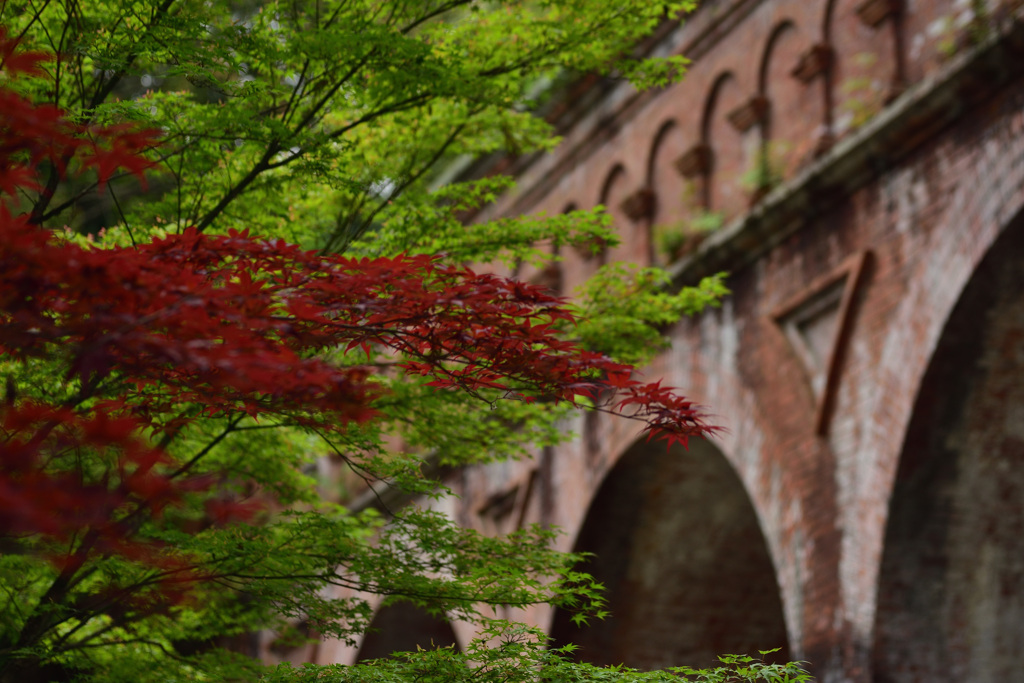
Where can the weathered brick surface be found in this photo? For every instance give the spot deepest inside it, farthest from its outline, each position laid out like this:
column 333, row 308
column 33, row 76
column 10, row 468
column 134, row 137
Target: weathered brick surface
column 951, row 586
column 885, row 545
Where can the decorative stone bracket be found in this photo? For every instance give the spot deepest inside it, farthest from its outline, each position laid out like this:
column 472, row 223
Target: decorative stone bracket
column 873, row 12
column 813, row 63
column 749, row 114
column 640, row 204
column 695, row 161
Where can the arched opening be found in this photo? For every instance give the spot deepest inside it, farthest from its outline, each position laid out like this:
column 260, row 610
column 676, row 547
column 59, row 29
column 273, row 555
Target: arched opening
column 613, row 193
column 951, row 586
column 678, row 546
column 769, row 70
column 794, row 103
column 402, row 628
column 727, row 153
column 677, row 198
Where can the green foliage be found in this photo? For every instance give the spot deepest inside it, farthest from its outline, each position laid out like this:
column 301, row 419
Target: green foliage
column 862, row 95
column 451, row 429
column 318, row 119
column 432, row 225
column 969, row 25
column 624, row 310
column 707, row 221
column 767, row 169
column 513, row 652
column 672, row 239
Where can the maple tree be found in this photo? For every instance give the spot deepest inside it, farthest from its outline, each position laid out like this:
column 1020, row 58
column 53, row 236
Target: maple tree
column 164, row 386
column 230, row 325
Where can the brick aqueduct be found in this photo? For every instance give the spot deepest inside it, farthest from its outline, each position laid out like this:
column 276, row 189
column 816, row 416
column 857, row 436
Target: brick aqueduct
column 865, row 509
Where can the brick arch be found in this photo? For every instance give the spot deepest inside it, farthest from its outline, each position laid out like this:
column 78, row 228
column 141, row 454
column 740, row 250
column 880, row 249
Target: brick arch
column 403, row 627
column 553, row 275
column 577, row 263
column 679, row 547
column 616, row 189
column 790, row 84
column 769, row 82
column 615, row 176
column 774, row 36
column 827, row 21
column 675, row 197
column 950, row 598
column 727, row 160
column 708, row 364
column 711, row 101
column 665, row 129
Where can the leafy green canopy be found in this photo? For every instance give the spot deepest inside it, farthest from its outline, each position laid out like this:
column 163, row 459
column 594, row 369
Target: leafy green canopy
column 319, row 113
column 511, row 652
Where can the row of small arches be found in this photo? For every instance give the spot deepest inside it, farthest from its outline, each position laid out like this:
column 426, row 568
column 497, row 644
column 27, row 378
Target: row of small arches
column 754, row 128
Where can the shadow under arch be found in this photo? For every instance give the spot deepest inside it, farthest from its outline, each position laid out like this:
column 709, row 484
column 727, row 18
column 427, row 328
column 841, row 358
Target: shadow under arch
column 950, row 603
column 679, row 549
column 403, row 627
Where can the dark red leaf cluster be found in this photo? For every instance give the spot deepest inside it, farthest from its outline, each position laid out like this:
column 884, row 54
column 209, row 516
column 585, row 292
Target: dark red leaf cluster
column 42, row 494
column 32, row 134
column 233, row 323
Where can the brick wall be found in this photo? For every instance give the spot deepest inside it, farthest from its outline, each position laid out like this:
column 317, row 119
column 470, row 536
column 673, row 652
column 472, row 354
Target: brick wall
column 865, row 503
